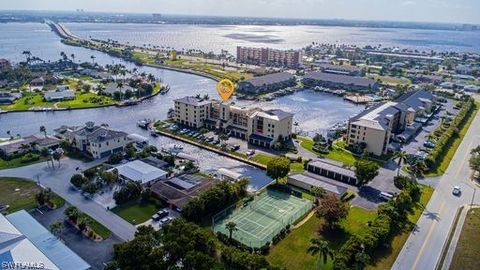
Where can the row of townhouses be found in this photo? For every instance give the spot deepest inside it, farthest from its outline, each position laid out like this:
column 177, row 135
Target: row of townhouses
column 257, row 126
column 375, row 126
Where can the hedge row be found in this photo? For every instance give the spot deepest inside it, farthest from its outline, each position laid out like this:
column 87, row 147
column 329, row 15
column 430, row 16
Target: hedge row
column 444, row 142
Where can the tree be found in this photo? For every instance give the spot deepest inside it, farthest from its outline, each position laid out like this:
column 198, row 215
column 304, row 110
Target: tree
column 365, row 171
column 56, row 228
column 278, row 168
column 83, row 223
column 320, row 247
column 402, row 157
column 43, row 130
column 57, row 156
column 78, row 180
column 115, row 158
column 43, row 197
column 72, row 213
column 332, row 209
column 231, row 227
column 319, row 193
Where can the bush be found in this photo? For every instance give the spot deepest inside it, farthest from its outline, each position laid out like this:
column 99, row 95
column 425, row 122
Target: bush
column 131, row 191
column 30, row 157
column 78, row 180
column 402, row 182
column 115, row 158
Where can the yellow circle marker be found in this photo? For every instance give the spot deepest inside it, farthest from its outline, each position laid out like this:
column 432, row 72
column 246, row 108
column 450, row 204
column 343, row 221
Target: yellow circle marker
column 225, row 89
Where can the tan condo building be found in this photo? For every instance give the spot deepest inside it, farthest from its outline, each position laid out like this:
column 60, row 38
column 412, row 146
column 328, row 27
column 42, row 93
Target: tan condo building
column 259, row 127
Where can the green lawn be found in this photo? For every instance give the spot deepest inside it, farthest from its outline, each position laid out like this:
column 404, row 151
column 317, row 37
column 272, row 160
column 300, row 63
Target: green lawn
column 137, row 212
column 391, row 80
column 384, row 258
column 20, row 194
column 28, row 101
column 97, row 227
column 467, row 251
column 338, row 152
column 295, row 167
column 86, row 100
column 291, row 251
column 17, row 162
column 443, row 165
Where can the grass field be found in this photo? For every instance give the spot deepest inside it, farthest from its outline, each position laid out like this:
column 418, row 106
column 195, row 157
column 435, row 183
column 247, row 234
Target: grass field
column 291, row 252
column 467, row 251
column 137, row 212
column 338, row 153
column 20, row 194
column 443, row 165
column 17, row 162
column 391, row 80
column 295, row 167
column 97, row 227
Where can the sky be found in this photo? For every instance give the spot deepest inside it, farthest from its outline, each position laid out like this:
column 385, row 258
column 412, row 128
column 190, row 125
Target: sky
column 450, row 11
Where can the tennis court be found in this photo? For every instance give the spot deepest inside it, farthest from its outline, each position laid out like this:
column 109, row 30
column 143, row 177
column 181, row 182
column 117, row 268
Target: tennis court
column 263, row 218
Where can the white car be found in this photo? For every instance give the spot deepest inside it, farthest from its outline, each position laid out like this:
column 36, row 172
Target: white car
column 166, row 220
column 456, row 191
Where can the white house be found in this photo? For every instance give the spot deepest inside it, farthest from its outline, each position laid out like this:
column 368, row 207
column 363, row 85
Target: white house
column 141, row 172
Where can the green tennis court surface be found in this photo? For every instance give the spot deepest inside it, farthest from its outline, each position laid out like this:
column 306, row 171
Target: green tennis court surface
column 263, row 218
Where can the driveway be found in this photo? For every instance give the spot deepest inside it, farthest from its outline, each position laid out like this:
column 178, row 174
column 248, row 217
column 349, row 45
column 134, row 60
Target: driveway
column 58, row 180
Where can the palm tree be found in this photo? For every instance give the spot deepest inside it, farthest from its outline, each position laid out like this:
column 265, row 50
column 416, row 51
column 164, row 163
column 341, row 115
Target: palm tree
column 43, row 130
column 56, row 228
column 319, row 193
column 402, row 157
column 231, row 227
column 72, row 213
column 27, row 54
column 320, row 247
column 93, row 59
column 57, row 156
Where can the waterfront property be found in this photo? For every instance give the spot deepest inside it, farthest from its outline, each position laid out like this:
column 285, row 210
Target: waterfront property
column 259, row 127
column 179, row 190
column 141, row 172
column 338, row 81
column 267, row 83
column 9, row 98
column 96, row 141
column 26, row 244
column 263, row 218
column 330, row 171
column 270, row 57
column 373, row 128
column 27, row 144
column 341, row 69
column 62, row 92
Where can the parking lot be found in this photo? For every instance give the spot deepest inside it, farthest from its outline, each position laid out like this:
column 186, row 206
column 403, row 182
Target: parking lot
column 162, row 217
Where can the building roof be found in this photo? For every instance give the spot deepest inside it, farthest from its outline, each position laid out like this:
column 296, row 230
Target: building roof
column 178, row 191
column 229, row 173
column 140, row 171
column 416, row 99
column 98, row 134
column 56, row 94
column 40, row 140
column 269, row 79
column 274, row 114
column 113, row 87
column 342, row 79
column 190, row 100
column 23, row 239
column 333, row 168
column 319, row 181
column 340, row 68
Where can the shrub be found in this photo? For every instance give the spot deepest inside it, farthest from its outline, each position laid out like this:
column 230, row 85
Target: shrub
column 130, row 191
column 115, row 158
column 78, row 180
column 30, row 157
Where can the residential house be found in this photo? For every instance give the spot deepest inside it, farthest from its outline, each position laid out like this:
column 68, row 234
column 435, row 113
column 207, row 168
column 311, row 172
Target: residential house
column 27, row 144
column 141, row 172
column 8, row 97
column 62, row 92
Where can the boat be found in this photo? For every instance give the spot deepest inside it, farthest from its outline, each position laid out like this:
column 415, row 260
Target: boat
column 177, row 147
column 165, row 90
column 143, row 123
column 153, row 133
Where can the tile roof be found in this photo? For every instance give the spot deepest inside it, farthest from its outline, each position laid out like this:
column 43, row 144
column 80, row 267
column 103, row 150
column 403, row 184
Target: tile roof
column 269, row 79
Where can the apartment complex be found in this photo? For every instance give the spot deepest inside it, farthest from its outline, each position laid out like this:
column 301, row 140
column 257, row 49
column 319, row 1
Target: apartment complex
column 341, row 69
column 257, row 126
column 267, row 83
column 97, row 141
column 270, row 57
column 374, row 127
column 339, row 81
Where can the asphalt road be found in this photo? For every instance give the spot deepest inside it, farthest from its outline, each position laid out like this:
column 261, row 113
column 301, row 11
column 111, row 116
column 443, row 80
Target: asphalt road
column 58, row 180
column 424, row 246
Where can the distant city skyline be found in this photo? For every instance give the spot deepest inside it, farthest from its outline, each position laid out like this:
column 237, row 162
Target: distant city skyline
column 446, row 11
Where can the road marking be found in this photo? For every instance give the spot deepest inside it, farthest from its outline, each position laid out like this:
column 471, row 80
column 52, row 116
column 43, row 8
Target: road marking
column 419, row 255
column 465, row 157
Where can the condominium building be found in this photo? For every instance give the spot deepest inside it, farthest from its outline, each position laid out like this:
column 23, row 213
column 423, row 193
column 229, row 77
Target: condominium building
column 339, row 81
column 267, row 83
column 257, row 126
column 374, row 127
column 270, row 57
column 97, row 141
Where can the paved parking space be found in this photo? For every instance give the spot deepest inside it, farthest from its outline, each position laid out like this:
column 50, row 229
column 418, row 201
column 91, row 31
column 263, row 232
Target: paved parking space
column 157, row 224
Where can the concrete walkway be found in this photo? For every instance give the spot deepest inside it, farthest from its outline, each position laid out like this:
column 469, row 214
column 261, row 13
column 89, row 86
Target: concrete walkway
column 58, row 180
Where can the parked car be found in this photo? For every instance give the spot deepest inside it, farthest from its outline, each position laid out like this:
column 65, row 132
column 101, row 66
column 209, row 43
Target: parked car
column 385, row 196
column 429, row 144
column 250, row 152
column 456, row 191
column 235, row 147
column 166, row 220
